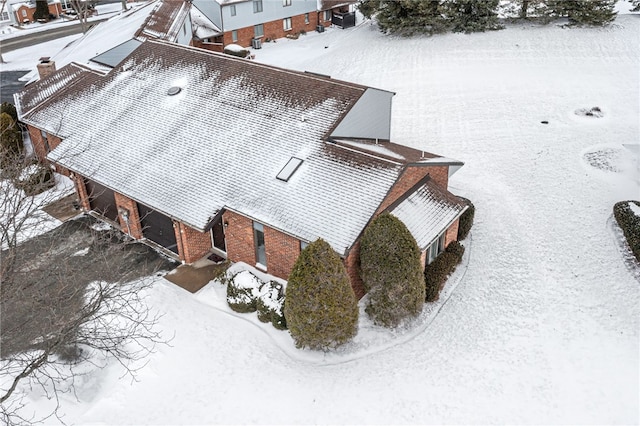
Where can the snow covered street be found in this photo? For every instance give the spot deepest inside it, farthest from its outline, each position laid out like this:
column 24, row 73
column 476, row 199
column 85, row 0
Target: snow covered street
column 544, row 326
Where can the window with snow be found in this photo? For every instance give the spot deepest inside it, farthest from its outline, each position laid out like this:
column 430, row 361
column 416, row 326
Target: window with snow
column 289, row 169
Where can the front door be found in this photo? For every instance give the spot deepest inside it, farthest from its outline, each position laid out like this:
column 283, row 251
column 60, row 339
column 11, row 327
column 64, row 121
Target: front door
column 217, row 235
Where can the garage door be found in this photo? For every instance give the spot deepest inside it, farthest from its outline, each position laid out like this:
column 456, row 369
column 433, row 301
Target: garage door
column 102, row 200
column 158, row 228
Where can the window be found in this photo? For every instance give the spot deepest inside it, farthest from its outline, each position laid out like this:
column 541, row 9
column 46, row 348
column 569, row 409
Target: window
column 258, row 238
column 45, row 141
column 24, row 13
column 257, row 6
column 234, row 35
column 303, row 245
column 286, row 24
column 306, row 18
column 232, row 10
column 258, row 30
column 290, row 168
column 327, row 15
column 286, row 3
column 435, row 249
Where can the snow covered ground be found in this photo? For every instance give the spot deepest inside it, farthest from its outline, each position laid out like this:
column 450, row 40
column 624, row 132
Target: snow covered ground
column 543, row 325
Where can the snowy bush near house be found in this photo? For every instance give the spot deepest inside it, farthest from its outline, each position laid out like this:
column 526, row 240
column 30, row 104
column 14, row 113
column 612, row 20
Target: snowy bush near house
column 466, row 220
column 270, row 304
column 437, row 272
column 243, row 290
column 627, row 214
column 36, row 179
column 236, row 50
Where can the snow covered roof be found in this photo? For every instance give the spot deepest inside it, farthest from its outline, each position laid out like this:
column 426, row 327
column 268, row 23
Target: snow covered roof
column 151, row 19
column 427, row 211
column 165, row 21
column 221, row 142
column 202, row 26
column 330, row 4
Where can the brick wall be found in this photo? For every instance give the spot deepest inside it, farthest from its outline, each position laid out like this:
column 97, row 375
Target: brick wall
column 440, row 175
column 452, row 233
column 54, row 9
column 273, row 30
column 352, row 264
column 409, row 177
column 239, row 238
column 38, row 142
column 81, row 189
column 282, row 252
column 195, row 244
column 133, row 227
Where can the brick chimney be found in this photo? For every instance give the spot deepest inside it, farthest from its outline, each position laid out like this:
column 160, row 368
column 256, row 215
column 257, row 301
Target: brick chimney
column 46, row 67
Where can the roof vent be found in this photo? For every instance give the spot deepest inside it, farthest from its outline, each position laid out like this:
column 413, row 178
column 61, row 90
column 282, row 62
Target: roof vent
column 174, row 90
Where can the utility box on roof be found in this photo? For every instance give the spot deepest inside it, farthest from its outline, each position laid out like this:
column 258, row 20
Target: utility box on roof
column 256, row 43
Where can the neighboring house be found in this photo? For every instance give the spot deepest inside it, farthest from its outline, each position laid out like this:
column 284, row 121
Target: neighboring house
column 200, row 153
column 21, row 12
column 251, row 22
column 106, row 44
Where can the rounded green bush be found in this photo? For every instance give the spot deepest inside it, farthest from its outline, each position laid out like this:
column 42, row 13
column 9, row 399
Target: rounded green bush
column 437, row 272
column 629, row 222
column 466, row 220
column 270, row 304
column 36, row 179
column 391, row 271
column 242, row 292
column 320, row 307
column 10, row 136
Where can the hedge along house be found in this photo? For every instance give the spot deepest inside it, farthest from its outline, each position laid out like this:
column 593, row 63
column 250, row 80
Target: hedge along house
column 199, row 152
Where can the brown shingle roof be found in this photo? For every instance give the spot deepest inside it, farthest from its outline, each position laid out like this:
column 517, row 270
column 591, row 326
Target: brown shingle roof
column 165, row 21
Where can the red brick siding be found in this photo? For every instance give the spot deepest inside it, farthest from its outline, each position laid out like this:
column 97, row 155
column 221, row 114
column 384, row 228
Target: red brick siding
column 239, row 238
column 440, row 175
column 282, row 252
column 81, row 189
column 134, row 228
column 54, row 9
column 195, row 244
column 423, row 259
column 273, row 30
column 409, row 177
column 39, row 146
column 452, row 233
column 352, row 264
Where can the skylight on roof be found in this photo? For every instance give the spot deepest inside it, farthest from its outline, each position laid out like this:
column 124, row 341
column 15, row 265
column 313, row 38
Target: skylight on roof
column 289, row 169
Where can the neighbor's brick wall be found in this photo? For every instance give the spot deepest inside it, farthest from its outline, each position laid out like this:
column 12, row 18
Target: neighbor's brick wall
column 135, row 227
column 282, row 252
column 352, row 264
column 273, row 30
column 54, row 9
column 452, row 233
column 195, row 244
column 81, row 189
column 239, row 238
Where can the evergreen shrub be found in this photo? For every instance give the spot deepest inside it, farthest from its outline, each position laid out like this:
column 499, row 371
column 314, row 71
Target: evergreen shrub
column 270, row 304
column 437, row 272
column 391, row 271
column 243, row 291
column 10, row 109
column 320, row 307
column 10, row 136
column 42, row 10
column 629, row 222
column 466, row 220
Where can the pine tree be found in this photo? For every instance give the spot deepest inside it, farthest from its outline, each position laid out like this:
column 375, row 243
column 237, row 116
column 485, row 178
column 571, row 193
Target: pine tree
column 636, row 5
column 591, row 12
column 10, row 136
column 406, row 17
column 42, row 10
column 391, row 271
column 472, row 15
column 320, row 307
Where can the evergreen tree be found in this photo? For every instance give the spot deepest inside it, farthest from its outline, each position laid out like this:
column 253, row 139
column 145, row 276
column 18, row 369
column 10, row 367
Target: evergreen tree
column 472, row 15
column 320, row 308
column 533, row 9
column 591, row 12
column 10, row 137
column 406, row 17
column 636, row 5
column 42, row 10
column 391, row 271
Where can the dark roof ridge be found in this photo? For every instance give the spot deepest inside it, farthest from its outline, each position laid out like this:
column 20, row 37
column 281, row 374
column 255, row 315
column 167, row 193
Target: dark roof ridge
column 377, row 156
column 409, row 154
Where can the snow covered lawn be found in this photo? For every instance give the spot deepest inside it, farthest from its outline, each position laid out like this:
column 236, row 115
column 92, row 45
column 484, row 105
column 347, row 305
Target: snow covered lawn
column 543, row 326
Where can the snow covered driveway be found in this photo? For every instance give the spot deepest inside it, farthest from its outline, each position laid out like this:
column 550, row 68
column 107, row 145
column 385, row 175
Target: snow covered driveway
column 544, row 327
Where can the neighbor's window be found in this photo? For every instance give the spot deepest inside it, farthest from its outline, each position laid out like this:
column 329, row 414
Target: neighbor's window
column 435, row 249
column 24, row 13
column 306, row 18
column 286, row 3
column 286, row 24
column 258, row 238
column 234, row 35
column 232, row 9
column 258, row 30
column 327, row 15
column 257, row 6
